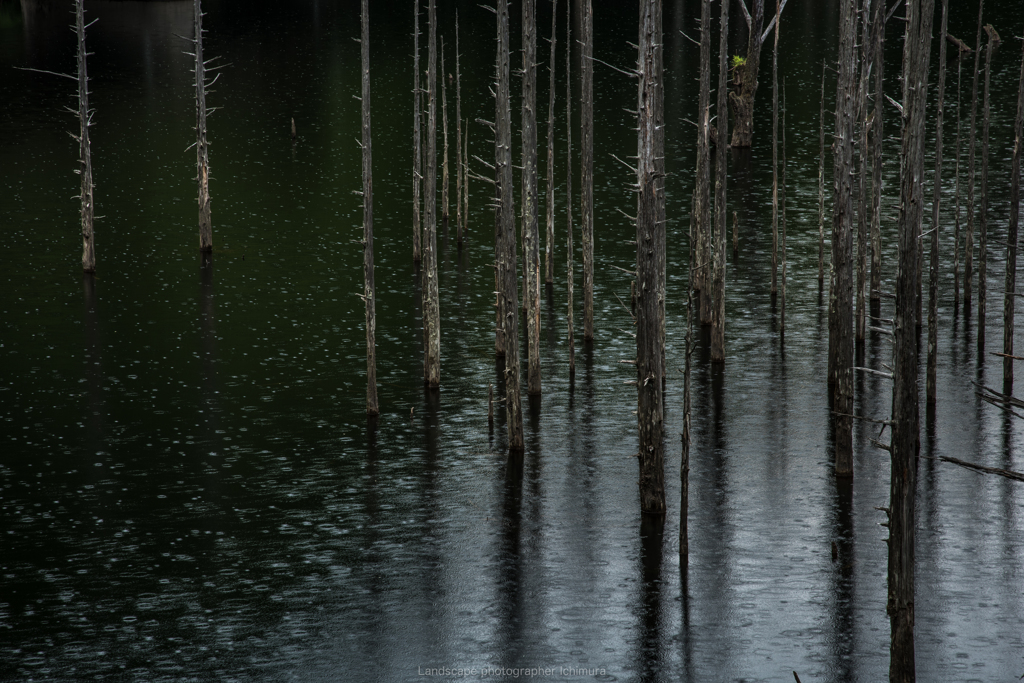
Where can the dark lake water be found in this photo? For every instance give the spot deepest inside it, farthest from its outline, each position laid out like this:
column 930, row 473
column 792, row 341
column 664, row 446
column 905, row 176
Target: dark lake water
column 189, row 488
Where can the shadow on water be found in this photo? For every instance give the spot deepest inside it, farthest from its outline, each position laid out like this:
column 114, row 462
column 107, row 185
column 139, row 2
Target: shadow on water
column 95, row 408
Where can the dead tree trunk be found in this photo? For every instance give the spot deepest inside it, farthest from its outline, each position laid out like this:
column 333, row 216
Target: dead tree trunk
column 841, row 291
column 431, row 312
column 904, row 424
column 866, row 54
column 417, row 145
column 969, row 240
column 369, row 289
column 507, row 223
column 983, row 209
column 702, row 197
column 782, row 243
column 933, row 270
column 202, row 149
column 460, row 169
column 531, row 227
column 549, row 263
column 444, row 137
column 878, row 40
column 718, row 310
column 465, row 182
column 587, row 169
column 741, row 100
column 568, row 186
column 1011, row 239
column 956, row 228
column 84, row 147
column 775, row 158
column 821, row 184
column 648, row 352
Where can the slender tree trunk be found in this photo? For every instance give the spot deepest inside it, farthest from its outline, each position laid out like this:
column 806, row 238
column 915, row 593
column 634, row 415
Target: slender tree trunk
column 202, row 149
column 460, row 169
column 417, row 145
column 983, row 209
column 684, row 465
column 841, row 290
column 904, row 425
column 84, row 147
column 568, row 186
column 549, row 263
column 775, row 158
column 444, row 137
column 465, row 181
column 933, row 271
column 821, row 183
column 741, row 100
column 369, row 289
column 721, row 212
column 956, row 230
column 431, row 312
column 782, row 244
column 661, row 235
column 531, row 227
column 877, row 131
column 507, row 223
column 1009, row 298
column 969, row 241
column 587, row 169
column 648, row 353
column 702, row 198
column 866, row 63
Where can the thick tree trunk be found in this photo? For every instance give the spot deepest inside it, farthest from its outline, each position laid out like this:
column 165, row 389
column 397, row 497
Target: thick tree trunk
column 933, row 270
column 702, row 197
column 507, row 232
column 878, row 40
column 417, row 145
column 549, row 243
column 1009, row 298
column 202, row 149
column 568, row 186
column 741, row 100
column 85, row 148
column 866, row 63
column 841, row 291
column 983, row 208
column 969, row 240
column 431, row 312
column 904, row 425
column 531, row 227
column 369, row 289
column 721, row 213
column 648, row 352
column 460, row 169
column 587, row 169
column 444, row 138
column 821, row 184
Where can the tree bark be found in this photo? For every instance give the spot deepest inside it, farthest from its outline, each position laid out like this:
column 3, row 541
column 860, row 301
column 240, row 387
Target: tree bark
column 866, row 63
column 587, row 169
column 549, row 263
column 568, row 187
column 782, row 243
column 904, row 424
column 417, row 145
column 721, row 166
column 841, row 290
column 648, row 352
column 702, row 197
column 933, row 270
column 775, row 159
column 741, row 100
column 821, row 183
column 956, row 228
column 507, row 232
column 431, row 312
column 969, row 240
column 369, row 289
column 877, row 141
column 202, row 149
column 983, row 209
column 460, row 169
column 88, row 210
column 1009, row 298
column 444, row 138
column 531, row 227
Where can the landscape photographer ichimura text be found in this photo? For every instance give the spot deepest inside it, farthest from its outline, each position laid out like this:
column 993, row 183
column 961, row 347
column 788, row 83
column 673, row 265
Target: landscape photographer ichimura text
column 508, row 672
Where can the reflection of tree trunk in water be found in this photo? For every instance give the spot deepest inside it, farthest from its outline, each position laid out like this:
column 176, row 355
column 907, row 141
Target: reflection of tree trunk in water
column 904, row 426
column 721, row 211
column 1011, row 239
column 431, row 313
column 983, row 209
column 844, row 582
column 933, row 269
column 95, row 408
column 648, row 649
column 531, row 227
column 417, row 149
column 587, row 169
column 512, row 601
column 969, row 240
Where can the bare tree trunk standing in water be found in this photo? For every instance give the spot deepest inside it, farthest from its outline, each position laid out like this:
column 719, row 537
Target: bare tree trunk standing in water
column 444, row 137
column 549, row 263
column 775, row 158
column 983, row 209
column 821, row 185
column 1011, row 240
column 904, row 425
column 460, row 170
column 84, row 148
column 840, row 312
column 702, row 196
column 721, row 214
column 956, row 228
column 648, row 352
column 568, row 185
column 969, row 240
column 741, row 100
column 202, row 149
column 878, row 41
column 866, row 54
column 587, row 169
column 933, row 270
column 369, row 289
column 417, row 145
column 531, row 227
column 431, row 312
column 507, row 232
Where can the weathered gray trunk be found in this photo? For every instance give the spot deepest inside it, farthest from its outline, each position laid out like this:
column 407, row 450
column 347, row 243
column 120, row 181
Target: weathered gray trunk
column 904, row 422
column 775, row 159
column 841, row 291
column 549, row 243
column 202, row 149
column 587, row 168
column 460, row 169
column 568, row 187
column 369, row 289
column 702, row 197
column 782, row 242
column 969, row 239
column 88, row 211
column 741, row 100
column 721, row 213
column 444, row 138
column 431, row 312
column 531, row 227
column 507, row 228
column 866, row 63
column 877, row 131
column 417, row 144
column 933, row 269
column 1009, row 298
column 648, row 352
column 983, row 208
column 821, row 183
column 956, row 175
